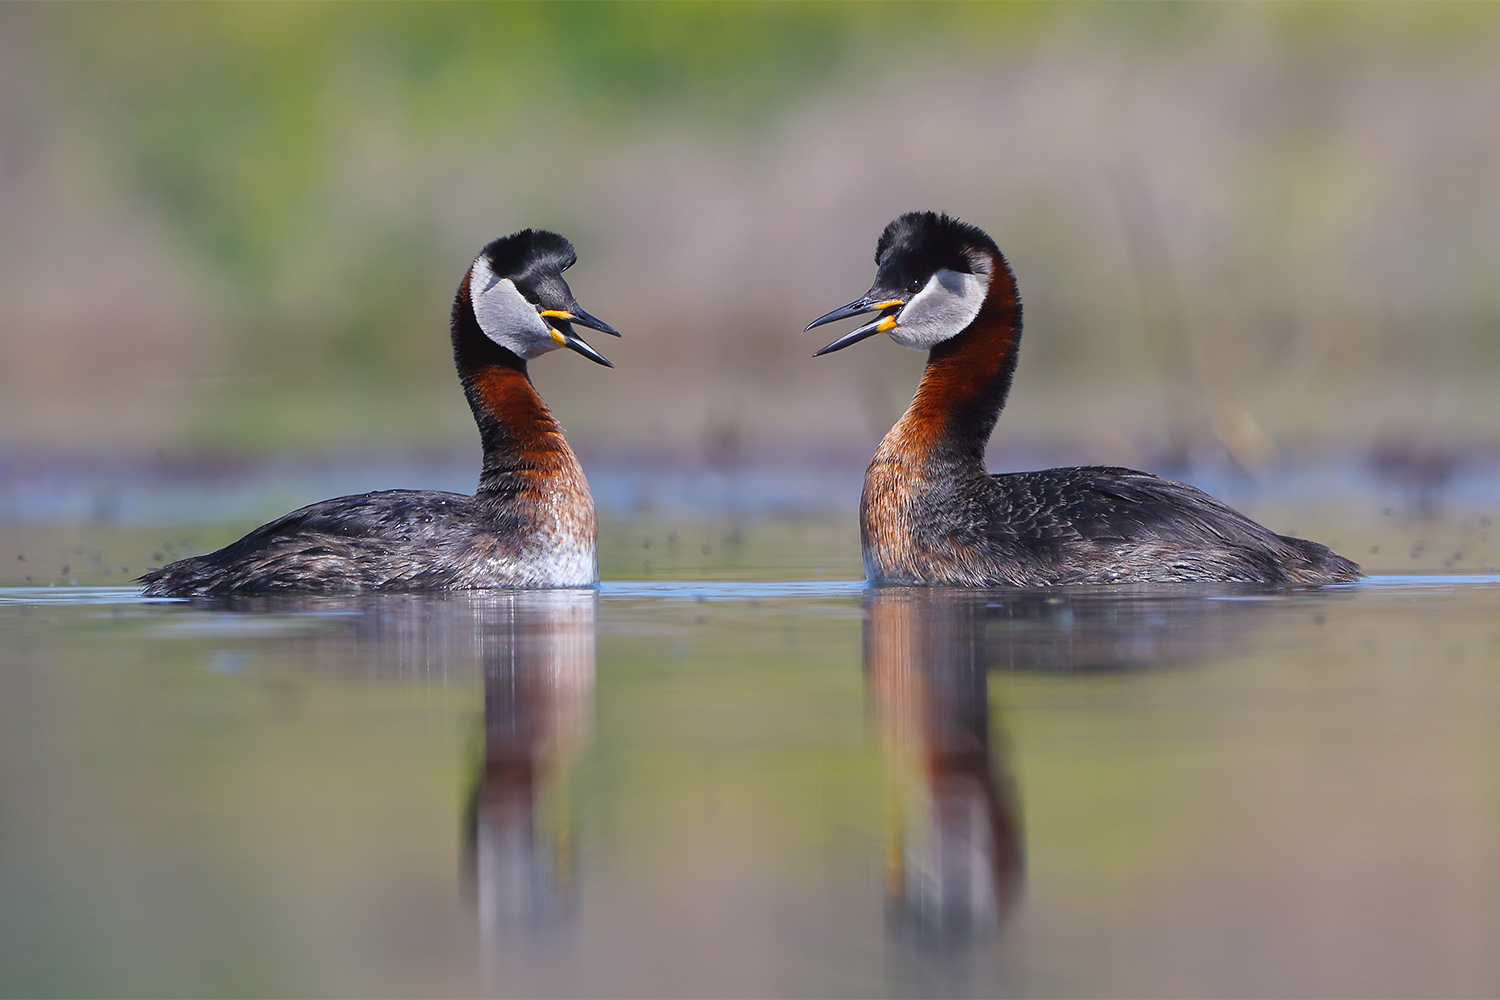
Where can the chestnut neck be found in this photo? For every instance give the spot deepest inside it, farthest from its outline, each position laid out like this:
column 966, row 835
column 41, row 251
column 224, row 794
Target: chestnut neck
column 518, row 432
column 966, row 380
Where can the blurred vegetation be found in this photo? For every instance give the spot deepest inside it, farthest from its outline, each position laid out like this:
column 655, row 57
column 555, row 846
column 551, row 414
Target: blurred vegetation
column 312, row 178
column 248, row 125
column 234, row 117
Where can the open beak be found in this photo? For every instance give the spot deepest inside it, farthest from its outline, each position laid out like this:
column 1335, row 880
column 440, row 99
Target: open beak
column 886, row 322
column 560, row 321
column 565, row 337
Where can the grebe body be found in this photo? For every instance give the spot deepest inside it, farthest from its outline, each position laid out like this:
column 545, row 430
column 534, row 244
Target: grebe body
column 931, row 514
column 531, row 522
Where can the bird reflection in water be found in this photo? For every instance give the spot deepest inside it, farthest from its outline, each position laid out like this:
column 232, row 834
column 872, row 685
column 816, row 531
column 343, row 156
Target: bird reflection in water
column 538, row 661
column 954, row 842
column 535, row 650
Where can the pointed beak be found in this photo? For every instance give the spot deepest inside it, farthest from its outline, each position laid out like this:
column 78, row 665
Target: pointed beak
column 888, row 308
column 577, row 315
column 563, row 334
column 560, row 321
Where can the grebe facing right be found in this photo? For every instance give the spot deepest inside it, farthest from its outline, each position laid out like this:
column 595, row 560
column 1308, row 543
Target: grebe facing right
column 531, row 522
column 930, row 513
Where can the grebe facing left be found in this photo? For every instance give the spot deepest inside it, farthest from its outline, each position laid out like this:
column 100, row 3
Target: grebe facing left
column 530, row 523
column 930, row 513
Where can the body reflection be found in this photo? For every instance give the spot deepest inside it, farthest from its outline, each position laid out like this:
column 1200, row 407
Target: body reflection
column 1086, row 630
column 535, row 651
column 954, row 843
column 536, row 654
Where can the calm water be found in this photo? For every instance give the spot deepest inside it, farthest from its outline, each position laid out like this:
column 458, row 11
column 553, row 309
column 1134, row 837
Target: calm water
column 754, row 789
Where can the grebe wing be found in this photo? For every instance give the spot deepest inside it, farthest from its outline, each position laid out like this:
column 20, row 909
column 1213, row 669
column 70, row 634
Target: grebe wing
column 1103, row 504
column 1106, row 525
column 385, row 515
column 392, row 539
column 1101, row 524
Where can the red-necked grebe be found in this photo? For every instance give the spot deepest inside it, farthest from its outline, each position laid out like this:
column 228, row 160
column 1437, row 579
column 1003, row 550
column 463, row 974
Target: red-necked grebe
column 930, row 513
column 531, row 522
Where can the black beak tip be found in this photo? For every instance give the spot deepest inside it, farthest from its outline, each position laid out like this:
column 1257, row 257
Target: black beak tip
column 593, row 322
column 593, row 355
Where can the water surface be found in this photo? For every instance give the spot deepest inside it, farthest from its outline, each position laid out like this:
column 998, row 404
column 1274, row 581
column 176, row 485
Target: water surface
column 754, row 788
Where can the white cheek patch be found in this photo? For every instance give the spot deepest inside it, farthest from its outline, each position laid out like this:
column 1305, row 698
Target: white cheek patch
column 941, row 310
column 504, row 314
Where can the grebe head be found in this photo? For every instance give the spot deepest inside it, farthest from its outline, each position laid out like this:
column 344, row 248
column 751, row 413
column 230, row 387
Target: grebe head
column 932, row 273
column 522, row 302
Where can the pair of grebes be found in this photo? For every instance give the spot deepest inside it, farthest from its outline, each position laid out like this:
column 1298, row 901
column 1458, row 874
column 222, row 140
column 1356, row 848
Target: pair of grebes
column 930, row 513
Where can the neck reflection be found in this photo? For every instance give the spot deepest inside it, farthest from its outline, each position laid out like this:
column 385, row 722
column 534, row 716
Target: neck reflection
column 954, row 858
column 537, row 655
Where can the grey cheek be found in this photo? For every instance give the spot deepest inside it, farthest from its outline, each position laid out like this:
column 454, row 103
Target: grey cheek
column 510, row 321
column 941, row 310
column 937, row 317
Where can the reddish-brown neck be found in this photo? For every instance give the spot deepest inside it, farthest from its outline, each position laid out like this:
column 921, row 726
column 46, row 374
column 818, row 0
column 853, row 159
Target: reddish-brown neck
column 966, row 381
column 517, row 430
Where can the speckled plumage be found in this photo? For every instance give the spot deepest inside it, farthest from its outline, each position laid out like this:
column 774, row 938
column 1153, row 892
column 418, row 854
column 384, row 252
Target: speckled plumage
column 530, row 524
column 931, row 514
column 1071, row 526
column 390, row 540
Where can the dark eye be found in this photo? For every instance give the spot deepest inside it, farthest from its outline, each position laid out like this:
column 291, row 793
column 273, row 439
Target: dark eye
column 913, row 286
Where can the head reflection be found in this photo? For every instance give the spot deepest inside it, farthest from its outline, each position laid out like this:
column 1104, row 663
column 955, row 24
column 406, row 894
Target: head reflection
column 537, row 655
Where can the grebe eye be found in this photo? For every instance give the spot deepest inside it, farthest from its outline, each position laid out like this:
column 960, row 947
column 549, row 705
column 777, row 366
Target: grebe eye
column 914, row 286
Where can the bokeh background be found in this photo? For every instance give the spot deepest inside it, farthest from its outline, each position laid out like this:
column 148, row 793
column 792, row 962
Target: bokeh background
column 1245, row 235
